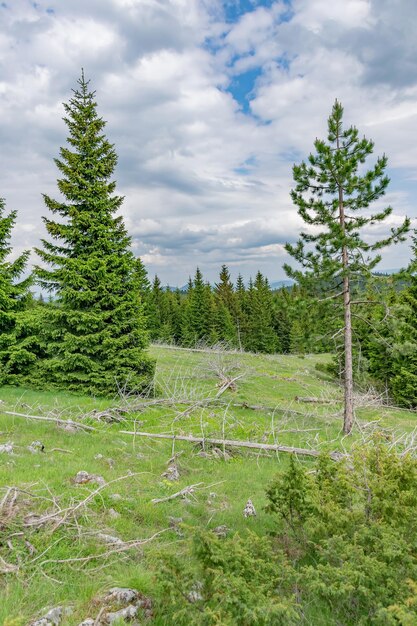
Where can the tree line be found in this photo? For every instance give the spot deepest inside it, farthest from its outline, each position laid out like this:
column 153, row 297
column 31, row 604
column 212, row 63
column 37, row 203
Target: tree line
column 92, row 334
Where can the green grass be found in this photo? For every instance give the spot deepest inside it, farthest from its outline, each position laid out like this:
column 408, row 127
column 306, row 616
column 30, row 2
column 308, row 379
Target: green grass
column 45, row 580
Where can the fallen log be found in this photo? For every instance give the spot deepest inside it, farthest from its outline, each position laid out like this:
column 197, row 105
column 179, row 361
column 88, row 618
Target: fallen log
column 56, row 420
column 215, row 401
column 314, row 400
column 336, row 456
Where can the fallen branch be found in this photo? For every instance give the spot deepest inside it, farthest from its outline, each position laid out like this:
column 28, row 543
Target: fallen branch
column 205, row 402
column 7, row 568
column 123, row 547
column 316, row 400
column 187, row 491
column 232, row 443
column 56, row 420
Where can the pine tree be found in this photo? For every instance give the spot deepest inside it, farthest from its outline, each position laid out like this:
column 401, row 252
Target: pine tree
column 16, row 346
column 98, row 334
column 332, row 194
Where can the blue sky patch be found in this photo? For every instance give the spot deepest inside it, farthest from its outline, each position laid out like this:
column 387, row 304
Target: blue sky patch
column 241, row 87
column 234, row 9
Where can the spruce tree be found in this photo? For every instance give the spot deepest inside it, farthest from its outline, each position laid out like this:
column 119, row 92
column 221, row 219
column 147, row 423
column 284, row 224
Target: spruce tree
column 392, row 350
column 281, row 318
column 16, row 345
column 198, row 314
column 97, row 330
column 261, row 336
column 403, row 383
column 225, row 309
column 241, row 313
column 155, row 309
column 332, row 195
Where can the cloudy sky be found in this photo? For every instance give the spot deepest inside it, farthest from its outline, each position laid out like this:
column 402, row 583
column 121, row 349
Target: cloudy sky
column 209, row 104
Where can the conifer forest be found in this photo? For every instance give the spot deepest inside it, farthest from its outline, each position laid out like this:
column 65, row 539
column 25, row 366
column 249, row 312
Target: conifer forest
column 227, row 453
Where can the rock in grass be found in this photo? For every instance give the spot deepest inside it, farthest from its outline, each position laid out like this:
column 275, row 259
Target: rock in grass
column 121, row 595
column 83, row 477
column 53, row 617
column 221, row 531
column 110, row 539
column 249, row 510
column 6, row 448
column 127, row 614
column 36, row 446
column 171, row 473
column 113, row 514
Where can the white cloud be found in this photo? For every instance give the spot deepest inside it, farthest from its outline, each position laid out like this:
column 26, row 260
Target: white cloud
column 315, row 15
column 205, row 183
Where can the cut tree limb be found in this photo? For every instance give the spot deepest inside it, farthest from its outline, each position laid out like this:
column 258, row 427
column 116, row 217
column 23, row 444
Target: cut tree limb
column 336, row 456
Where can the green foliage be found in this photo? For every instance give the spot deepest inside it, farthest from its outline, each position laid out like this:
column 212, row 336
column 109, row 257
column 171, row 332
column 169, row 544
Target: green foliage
column 350, row 528
column 388, row 342
column 225, row 309
column 198, row 314
column 260, row 336
column 333, row 194
column 17, row 355
column 237, row 581
column 403, row 354
column 96, row 331
column 343, row 551
column 336, row 166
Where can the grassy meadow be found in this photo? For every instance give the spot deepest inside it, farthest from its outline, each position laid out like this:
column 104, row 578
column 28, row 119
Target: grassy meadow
column 68, row 558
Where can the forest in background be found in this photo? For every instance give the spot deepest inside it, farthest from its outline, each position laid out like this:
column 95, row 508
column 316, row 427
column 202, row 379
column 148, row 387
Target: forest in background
column 333, row 538
column 92, row 333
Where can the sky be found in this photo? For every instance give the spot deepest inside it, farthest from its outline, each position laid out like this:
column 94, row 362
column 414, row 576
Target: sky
column 209, row 105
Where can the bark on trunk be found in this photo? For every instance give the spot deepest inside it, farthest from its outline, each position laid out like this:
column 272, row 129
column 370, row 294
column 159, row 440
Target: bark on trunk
column 348, row 373
column 348, row 377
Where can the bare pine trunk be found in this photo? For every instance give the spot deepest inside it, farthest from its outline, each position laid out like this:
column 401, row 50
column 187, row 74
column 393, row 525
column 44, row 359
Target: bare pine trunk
column 348, row 377
column 348, row 373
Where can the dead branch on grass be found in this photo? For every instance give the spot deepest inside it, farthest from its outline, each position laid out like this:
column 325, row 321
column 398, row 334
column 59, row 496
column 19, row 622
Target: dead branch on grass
column 61, row 422
column 336, row 456
column 313, row 400
column 119, row 548
column 187, row 491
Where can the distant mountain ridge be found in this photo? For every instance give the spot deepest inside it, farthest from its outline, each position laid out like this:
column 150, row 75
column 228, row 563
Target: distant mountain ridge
column 288, row 282
column 276, row 284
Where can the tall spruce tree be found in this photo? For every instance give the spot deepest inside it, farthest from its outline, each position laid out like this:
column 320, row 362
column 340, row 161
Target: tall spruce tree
column 261, row 336
column 391, row 351
column 225, row 309
column 241, row 311
column 332, row 195
column 198, row 314
column 97, row 326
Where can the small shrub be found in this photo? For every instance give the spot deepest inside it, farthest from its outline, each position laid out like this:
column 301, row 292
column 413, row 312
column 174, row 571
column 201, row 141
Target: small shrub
column 238, row 581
